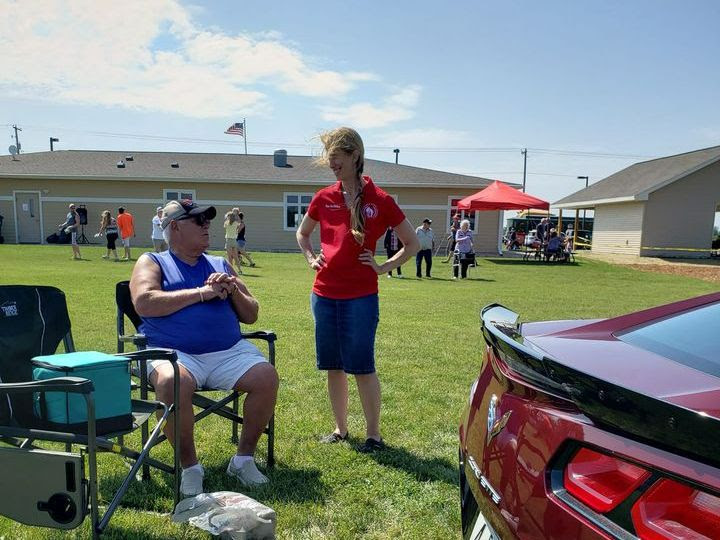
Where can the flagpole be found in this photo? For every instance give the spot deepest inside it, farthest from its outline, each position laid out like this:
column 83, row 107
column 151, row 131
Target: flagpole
column 245, row 134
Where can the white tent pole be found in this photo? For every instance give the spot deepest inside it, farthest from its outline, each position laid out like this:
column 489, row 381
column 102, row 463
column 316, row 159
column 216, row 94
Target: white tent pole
column 501, row 215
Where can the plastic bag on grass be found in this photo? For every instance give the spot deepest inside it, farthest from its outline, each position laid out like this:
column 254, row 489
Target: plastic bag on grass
column 228, row 515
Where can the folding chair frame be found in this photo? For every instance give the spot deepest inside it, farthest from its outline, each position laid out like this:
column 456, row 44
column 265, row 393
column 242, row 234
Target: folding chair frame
column 24, row 437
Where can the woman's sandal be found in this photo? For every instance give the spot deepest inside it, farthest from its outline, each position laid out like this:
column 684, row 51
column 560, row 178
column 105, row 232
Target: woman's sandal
column 334, row 438
column 371, row 445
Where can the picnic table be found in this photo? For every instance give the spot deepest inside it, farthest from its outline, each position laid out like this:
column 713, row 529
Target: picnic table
column 536, row 252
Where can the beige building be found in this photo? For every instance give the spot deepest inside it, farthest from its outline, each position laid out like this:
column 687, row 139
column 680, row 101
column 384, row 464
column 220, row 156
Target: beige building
column 659, row 208
column 273, row 192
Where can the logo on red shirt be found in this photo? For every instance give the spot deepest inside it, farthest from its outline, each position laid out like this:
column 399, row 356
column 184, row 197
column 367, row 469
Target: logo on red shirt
column 370, row 210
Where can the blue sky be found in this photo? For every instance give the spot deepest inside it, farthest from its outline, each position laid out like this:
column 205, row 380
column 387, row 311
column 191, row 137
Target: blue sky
column 434, row 79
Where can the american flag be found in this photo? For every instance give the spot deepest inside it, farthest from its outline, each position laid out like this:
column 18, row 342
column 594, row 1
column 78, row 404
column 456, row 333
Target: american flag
column 236, row 129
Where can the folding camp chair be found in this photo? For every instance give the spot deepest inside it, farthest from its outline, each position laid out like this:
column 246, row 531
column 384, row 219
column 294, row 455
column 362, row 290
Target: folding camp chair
column 49, row 488
column 125, row 308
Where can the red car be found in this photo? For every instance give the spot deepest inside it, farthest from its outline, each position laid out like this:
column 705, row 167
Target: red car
column 595, row 429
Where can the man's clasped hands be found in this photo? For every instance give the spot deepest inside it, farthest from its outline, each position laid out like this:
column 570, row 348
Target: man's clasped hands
column 220, row 285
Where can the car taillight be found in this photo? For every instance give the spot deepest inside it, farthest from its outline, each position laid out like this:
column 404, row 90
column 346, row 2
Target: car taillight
column 601, row 481
column 670, row 510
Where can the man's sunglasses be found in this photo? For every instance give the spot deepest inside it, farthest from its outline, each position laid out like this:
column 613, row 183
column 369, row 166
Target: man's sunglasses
column 200, row 219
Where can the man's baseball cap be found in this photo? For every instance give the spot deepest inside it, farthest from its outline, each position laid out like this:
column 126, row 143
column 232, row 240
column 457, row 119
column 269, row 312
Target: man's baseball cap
column 177, row 209
column 427, row 220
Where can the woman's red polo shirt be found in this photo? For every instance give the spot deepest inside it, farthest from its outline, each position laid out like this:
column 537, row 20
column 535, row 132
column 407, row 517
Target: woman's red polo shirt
column 344, row 276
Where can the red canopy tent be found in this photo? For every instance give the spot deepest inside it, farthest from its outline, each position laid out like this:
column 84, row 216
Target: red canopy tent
column 499, row 196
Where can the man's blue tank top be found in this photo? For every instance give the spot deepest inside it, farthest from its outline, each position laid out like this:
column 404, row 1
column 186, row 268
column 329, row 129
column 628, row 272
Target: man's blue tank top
column 199, row 328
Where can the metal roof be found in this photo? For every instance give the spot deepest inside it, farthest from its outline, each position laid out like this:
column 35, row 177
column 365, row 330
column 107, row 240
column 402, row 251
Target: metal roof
column 637, row 181
column 225, row 168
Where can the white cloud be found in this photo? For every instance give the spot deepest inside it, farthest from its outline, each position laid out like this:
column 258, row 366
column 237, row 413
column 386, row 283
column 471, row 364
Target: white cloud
column 151, row 56
column 397, row 107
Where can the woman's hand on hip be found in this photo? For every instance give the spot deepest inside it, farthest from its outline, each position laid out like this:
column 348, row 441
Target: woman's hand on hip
column 317, row 263
column 367, row 257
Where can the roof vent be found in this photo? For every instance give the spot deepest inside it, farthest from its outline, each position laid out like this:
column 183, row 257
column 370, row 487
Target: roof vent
column 280, row 158
column 121, row 164
column 175, row 165
column 129, row 158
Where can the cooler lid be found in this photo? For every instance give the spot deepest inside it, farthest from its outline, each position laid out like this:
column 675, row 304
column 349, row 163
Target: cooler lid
column 79, row 360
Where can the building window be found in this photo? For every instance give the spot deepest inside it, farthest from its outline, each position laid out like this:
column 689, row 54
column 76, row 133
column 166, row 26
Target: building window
column 470, row 215
column 178, row 194
column 296, row 205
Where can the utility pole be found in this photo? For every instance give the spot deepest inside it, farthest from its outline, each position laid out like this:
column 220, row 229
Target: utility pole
column 53, row 140
column 524, row 153
column 17, row 140
column 397, row 153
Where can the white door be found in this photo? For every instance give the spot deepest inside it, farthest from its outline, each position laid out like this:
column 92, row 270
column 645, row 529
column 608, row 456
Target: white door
column 27, row 216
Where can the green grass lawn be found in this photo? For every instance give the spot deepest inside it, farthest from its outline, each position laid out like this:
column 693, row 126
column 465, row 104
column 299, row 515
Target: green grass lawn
column 428, row 353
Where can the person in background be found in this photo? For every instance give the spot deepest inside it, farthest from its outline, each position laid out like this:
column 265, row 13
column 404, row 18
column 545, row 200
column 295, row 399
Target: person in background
column 463, row 249
column 353, row 214
column 157, row 232
column 70, row 225
column 454, row 226
column 109, row 228
column 554, row 247
column 392, row 245
column 543, row 231
column 241, row 238
column 231, row 228
column 427, row 243
column 512, row 240
column 126, row 224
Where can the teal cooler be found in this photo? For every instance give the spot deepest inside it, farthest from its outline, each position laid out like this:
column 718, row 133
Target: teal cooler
column 63, row 411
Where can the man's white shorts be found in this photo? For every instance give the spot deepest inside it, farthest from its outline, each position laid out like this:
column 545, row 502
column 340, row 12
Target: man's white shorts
column 218, row 370
column 126, row 242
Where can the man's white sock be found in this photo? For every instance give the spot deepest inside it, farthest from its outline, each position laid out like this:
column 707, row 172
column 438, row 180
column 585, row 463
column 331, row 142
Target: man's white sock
column 197, row 466
column 239, row 461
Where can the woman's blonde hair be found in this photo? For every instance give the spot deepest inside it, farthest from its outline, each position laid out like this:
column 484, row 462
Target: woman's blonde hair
column 229, row 218
column 105, row 219
column 347, row 140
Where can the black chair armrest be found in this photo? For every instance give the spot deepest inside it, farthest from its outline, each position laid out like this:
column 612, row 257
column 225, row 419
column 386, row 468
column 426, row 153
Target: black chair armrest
column 151, row 354
column 139, row 340
column 267, row 335
column 76, row 385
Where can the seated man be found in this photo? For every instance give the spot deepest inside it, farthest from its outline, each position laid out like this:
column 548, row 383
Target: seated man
column 554, row 246
column 191, row 302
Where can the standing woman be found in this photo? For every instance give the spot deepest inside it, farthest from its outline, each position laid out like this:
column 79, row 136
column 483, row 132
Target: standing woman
column 231, row 228
column 108, row 227
column 463, row 249
column 353, row 214
column 241, row 238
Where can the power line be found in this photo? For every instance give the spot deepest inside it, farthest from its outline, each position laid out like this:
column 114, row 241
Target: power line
column 309, row 144
column 588, row 154
column 528, row 173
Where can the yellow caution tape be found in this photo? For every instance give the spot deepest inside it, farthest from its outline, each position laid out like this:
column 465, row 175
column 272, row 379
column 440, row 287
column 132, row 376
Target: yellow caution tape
column 702, row 250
